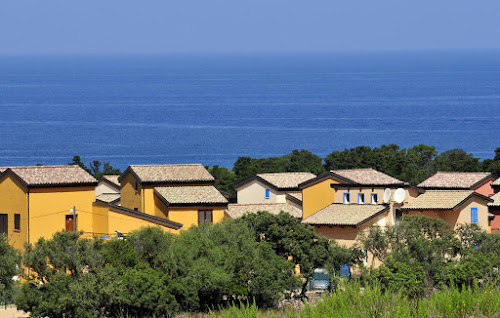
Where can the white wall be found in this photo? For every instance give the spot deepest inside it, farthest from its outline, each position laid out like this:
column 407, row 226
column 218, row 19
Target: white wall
column 255, row 192
column 104, row 187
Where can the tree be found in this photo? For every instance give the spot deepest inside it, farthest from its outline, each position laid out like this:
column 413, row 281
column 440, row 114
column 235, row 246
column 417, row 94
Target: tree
column 377, row 242
column 457, row 160
column 9, row 266
column 77, row 161
column 224, row 180
column 95, row 167
column 303, row 161
column 419, row 164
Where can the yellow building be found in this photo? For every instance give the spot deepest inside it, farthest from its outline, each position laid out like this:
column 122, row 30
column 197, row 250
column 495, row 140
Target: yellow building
column 181, row 193
column 36, row 201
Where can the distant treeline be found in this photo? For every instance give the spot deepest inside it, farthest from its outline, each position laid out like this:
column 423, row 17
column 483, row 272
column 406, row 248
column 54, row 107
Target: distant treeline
column 412, row 165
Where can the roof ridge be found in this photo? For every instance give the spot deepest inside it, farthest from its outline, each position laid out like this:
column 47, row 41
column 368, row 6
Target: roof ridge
column 273, row 203
column 168, row 164
column 51, row 167
column 485, row 172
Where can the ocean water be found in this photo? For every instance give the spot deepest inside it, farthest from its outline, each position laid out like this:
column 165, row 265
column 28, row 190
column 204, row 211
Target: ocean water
column 212, row 109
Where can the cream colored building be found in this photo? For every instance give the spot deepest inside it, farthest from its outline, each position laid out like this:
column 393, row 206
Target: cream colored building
column 107, row 184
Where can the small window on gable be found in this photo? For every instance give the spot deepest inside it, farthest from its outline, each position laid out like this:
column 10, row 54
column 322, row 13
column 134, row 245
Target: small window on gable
column 374, row 198
column 361, row 198
column 347, row 198
column 17, row 222
column 268, row 193
column 473, row 216
column 136, row 186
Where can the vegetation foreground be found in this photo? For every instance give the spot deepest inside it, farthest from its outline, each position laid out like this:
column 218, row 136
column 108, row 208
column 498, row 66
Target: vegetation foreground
column 429, row 270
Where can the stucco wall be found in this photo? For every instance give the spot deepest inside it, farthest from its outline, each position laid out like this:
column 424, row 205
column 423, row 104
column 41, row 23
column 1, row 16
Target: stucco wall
column 461, row 215
column 14, row 200
column 129, row 197
column 48, row 208
column 255, row 192
column 485, row 189
column 189, row 216
column 317, row 196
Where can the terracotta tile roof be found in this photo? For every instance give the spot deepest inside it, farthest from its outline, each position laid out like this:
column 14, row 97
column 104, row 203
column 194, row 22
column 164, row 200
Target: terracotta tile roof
column 238, row 210
column 181, row 173
column 42, row 176
column 113, row 179
column 441, row 200
column 367, row 176
column 496, row 200
column 108, row 197
column 286, row 180
column 494, row 183
column 346, row 214
column 191, row 195
column 455, row 180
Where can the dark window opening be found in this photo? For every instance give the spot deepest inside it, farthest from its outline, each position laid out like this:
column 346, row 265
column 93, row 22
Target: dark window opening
column 4, row 225
column 136, row 186
column 399, row 215
column 17, row 222
column 205, row 216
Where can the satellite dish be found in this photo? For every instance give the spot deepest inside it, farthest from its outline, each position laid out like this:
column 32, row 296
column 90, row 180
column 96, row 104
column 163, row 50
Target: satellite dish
column 399, row 195
column 387, row 195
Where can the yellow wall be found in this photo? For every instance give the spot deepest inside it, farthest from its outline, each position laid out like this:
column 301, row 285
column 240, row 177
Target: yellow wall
column 130, row 198
column 317, row 197
column 14, row 200
column 189, row 216
column 48, row 208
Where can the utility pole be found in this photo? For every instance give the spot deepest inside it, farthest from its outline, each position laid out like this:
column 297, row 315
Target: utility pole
column 74, row 218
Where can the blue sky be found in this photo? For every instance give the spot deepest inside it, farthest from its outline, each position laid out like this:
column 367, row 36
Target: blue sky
column 200, row 26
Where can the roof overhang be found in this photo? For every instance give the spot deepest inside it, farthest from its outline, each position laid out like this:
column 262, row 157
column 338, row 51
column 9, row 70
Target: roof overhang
column 146, row 217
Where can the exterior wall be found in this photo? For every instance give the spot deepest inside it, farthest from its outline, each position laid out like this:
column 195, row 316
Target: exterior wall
column 48, row 208
column 255, row 192
column 129, row 197
column 485, row 189
column 461, row 215
column 189, row 216
column 14, row 200
column 317, row 197
column 104, row 187
column 100, row 214
column 495, row 224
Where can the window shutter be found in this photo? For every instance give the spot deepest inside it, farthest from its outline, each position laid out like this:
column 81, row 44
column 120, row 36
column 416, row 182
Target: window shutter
column 209, row 216
column 473, row 215
column 201, row 216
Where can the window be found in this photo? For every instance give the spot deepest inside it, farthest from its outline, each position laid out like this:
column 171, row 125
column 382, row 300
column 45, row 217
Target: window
column 136, row 186
column 205, row 216
column 4, row 227
column 473, row 216
column 268, row 193
column 347, row 198
column 399, row 215
column 361, row 198
column 374, row 198
column 17, row 222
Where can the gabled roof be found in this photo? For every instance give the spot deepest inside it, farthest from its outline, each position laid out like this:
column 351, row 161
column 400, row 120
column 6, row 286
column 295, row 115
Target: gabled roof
column 358, row 177
column 238, row 210
column 496, row 200
column 281, row 181
column 191, row 195
column 346, row 214
column 112, row 180
column 443, row 200
column 456, row 180
column 108, row 197
column 367, row 176
column 51, row 176
column 175, row 174
column 146, row 217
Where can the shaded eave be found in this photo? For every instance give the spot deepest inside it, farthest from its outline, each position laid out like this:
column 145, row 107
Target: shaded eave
column 111, row 202
column 131, row 171
column 146, row 217
column 186, row 205
column 474, row 194
column 47, row 185
column 385, row 209
column 262, row 180
column 293, row 199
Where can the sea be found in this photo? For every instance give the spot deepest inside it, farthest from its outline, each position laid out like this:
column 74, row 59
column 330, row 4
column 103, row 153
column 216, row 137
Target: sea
column 214, row 108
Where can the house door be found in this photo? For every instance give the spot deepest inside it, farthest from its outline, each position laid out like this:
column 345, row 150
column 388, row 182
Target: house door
column 4, row 225
column 70, row 223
